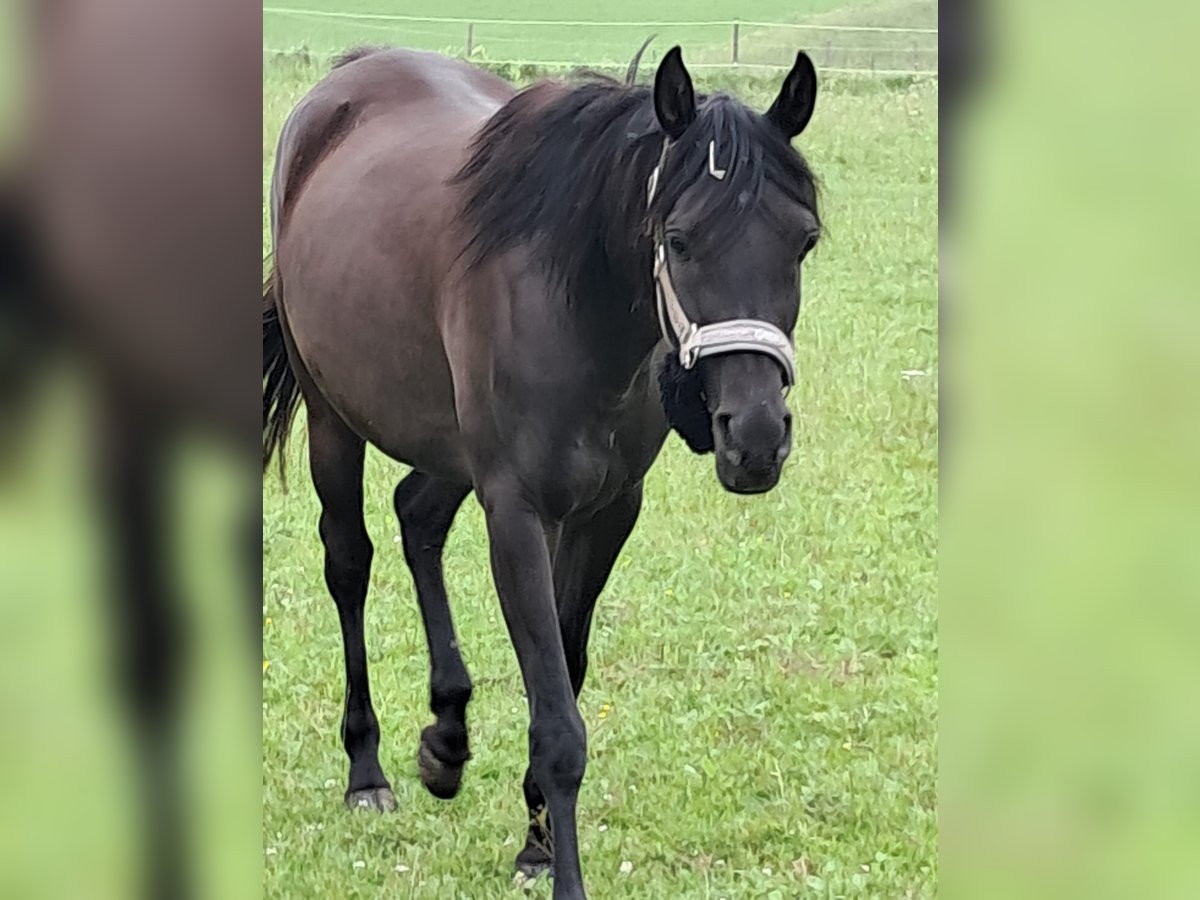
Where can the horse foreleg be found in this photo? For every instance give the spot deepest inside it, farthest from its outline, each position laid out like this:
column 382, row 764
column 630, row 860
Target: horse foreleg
column 557, row 739
column 586, row 554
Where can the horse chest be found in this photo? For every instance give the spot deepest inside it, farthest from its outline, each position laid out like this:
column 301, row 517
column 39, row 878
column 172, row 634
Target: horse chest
column 590, row 472
column 596, row 465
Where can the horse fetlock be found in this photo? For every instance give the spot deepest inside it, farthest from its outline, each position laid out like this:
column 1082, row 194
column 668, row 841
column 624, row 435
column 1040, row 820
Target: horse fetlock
column 360, row 732
column 449, row 697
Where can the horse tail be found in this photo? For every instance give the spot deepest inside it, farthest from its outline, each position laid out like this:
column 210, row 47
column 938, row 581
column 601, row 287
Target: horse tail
column 281, row 391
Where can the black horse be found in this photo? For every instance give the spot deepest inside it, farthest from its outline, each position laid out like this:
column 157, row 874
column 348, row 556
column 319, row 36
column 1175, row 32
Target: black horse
column 517, row 294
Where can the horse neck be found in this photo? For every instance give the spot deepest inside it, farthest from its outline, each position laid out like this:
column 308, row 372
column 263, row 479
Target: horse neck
column 615, row 311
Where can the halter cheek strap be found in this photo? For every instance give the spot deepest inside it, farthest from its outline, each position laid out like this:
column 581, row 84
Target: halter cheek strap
column 695, row 342
column 727, row 336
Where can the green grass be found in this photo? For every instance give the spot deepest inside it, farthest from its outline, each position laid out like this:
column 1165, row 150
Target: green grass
column 770, row 663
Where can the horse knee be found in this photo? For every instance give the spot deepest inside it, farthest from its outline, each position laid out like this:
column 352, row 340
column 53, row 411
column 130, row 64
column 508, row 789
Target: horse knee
column 558, row 754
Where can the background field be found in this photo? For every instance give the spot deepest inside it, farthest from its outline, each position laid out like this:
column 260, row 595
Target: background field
column 545, row 36
column 761, row 703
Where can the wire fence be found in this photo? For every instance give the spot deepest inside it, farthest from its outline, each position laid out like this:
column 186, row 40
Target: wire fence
column 551, row 43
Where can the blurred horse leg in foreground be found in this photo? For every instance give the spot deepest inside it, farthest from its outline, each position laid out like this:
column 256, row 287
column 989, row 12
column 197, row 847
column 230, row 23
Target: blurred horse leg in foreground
column 130, row 235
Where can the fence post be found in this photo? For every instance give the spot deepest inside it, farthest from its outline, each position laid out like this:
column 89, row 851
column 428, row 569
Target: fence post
column 470, row 38
column 736, row 29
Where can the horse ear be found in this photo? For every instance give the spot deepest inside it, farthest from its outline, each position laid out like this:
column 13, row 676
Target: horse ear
column 674, row 99
column 794, row 106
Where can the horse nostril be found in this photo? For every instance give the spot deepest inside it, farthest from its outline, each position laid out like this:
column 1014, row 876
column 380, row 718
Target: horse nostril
column 785, row 446
column 723, row 420
column 732, row 454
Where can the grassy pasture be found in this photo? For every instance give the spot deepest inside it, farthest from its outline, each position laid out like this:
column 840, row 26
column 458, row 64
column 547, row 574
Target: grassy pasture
column 761, row 702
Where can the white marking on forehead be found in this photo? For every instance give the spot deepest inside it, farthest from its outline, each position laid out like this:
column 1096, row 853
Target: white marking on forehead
column 716, row 173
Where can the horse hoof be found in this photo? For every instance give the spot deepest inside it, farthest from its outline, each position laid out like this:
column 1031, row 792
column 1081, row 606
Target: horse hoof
column 381, row 799
column 440, row 778
column 532, row 871
column 533, row 862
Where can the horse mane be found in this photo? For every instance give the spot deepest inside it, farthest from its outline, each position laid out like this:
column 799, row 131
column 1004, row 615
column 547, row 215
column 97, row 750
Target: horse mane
column 562, row 168
column 356, row 53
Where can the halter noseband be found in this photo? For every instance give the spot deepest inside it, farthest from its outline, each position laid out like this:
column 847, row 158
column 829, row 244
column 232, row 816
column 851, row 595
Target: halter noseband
column 728, row 336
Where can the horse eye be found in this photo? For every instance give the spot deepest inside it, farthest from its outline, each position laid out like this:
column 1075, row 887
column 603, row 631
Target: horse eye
column 678, row 246
column 809, row 243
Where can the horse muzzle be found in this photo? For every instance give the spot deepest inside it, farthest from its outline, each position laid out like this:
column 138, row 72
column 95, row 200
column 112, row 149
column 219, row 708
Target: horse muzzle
column 750, row 449
column 751, row 423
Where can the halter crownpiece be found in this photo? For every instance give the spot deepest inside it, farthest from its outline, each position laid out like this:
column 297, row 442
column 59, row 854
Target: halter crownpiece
column 652, row 183
column 728, row 336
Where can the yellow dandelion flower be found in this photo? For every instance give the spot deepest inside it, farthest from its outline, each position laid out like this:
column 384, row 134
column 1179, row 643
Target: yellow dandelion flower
column 266, row 665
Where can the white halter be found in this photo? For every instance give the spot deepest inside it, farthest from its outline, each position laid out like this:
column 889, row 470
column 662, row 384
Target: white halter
column 729, row 336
